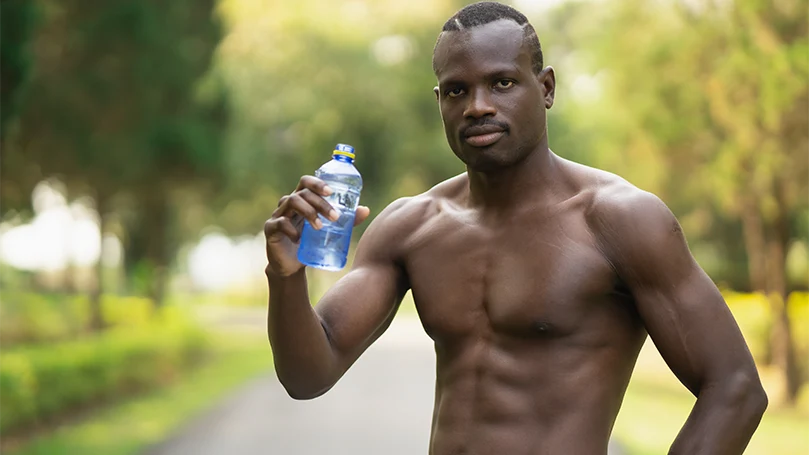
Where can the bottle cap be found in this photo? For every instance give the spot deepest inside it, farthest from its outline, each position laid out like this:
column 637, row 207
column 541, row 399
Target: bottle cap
column 344, row 149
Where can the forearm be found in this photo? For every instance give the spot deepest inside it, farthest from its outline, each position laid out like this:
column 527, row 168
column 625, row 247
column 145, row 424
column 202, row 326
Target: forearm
column 723, row 419
column 303, row 356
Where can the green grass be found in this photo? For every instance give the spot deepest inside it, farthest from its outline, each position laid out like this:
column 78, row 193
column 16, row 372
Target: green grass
column 656, row 406
column 129, row 427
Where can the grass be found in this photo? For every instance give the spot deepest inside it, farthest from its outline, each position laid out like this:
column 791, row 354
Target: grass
column 656, row 406
column 131, row 426
column 654, row 410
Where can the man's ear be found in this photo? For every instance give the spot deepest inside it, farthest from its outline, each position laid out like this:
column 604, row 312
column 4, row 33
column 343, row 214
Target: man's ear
column 435, row 90
column 547, row 79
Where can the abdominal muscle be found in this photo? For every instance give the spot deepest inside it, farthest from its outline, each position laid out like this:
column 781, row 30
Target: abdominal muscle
column 527, row 396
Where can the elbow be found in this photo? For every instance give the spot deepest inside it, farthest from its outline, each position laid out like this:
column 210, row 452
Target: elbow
column 303, row 394
column 760, row 400
column 745, row 392
column 299, row 395
column 302, row 390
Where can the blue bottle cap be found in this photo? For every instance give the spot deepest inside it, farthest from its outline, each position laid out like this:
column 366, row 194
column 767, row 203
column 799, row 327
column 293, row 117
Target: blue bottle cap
column 344, row 149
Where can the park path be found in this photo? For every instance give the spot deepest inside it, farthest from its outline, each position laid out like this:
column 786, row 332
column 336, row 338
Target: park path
column 382, row 406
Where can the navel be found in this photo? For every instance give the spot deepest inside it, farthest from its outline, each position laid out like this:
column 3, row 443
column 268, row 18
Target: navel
column 542, row 327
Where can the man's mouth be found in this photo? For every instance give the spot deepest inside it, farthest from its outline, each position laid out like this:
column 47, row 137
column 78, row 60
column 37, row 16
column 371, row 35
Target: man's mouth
column 483, row 135
column 484, row 140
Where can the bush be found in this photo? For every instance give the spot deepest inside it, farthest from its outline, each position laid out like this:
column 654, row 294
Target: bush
column 798, row 306
column 37, row 318
column 754, row 316
column 38, row 383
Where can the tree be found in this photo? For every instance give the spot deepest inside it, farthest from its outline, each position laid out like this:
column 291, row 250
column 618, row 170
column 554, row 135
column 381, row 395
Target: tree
column 308, row 75
column 17, row 20
column 713, row 99
column 119, row 110
column 758, row 97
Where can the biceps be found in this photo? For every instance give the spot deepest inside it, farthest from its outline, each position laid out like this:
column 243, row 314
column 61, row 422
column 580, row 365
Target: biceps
column 693, row 329
column 360, row 306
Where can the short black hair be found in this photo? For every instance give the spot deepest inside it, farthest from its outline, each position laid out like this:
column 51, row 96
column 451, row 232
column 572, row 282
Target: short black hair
column 482, row 13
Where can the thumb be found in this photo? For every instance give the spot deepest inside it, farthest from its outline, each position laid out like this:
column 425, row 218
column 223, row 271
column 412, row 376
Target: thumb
column 361, row 214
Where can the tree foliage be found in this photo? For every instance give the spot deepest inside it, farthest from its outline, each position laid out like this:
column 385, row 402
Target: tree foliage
column 707, row 106
column 118, row 110
column 704, row 103
column 17, row 21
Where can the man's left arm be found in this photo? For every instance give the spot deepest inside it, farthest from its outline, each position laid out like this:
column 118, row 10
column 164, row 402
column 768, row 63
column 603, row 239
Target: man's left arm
column 687, row 319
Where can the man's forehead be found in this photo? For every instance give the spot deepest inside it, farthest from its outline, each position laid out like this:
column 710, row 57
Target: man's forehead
column 501, row 40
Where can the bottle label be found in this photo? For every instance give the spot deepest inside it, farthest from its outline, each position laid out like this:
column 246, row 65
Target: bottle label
column 343, row 198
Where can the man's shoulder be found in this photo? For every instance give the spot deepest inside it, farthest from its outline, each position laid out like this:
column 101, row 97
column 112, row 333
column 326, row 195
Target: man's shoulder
column 615, row 200
column 421, row 205
column 406, row 213
column 617, row 208
column 623, row 216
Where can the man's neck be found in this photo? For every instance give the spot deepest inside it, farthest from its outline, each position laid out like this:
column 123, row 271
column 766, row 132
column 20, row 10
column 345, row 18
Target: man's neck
column 535, row 178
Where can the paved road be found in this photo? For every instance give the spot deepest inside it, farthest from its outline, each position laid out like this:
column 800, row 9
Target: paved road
column 383, row 405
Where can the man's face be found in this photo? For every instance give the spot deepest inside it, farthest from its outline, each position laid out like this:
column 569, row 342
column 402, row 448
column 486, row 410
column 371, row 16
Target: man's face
column 491, row 101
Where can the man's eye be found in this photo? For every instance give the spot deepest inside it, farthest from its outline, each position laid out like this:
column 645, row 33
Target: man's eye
column 503, row 83
column 454, row 92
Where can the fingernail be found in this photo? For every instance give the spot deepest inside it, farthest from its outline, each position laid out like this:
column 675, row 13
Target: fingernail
column 318, row 224
column 327, row 190
column 333, row 215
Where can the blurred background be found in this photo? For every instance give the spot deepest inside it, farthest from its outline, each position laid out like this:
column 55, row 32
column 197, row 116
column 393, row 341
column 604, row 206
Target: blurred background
column 145, row 142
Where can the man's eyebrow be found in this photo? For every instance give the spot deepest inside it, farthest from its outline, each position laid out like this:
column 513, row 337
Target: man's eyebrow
column 496, row 72
column 451, row 82
column 505, row 70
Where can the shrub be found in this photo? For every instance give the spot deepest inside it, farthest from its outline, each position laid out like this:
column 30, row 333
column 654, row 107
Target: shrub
column 38, row 383
column 27, row 317
column 754, row 316
column 799, row 316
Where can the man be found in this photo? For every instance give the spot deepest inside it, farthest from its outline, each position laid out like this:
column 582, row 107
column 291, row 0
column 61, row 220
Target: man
column 538, row 278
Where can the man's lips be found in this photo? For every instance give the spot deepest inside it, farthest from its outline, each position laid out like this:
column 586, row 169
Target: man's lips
column 483, row 140
column 483, row 135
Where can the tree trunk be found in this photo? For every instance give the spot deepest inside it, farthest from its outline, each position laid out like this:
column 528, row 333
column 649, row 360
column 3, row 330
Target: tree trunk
column 755, row 244
column 96, row 318
column 783, row 348
column 147, row 248
column 158, row 251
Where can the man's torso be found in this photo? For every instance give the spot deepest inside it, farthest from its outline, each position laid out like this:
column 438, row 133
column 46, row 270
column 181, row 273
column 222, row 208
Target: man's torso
column 535, row 339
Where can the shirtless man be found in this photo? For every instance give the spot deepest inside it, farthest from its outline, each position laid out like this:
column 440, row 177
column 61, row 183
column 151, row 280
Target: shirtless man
column 537, row 278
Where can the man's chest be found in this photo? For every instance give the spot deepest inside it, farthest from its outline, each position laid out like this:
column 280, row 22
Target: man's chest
column 527, row 278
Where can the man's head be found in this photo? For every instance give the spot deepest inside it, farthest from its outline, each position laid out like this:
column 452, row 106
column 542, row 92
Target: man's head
column 483, row 13
column 492, row 88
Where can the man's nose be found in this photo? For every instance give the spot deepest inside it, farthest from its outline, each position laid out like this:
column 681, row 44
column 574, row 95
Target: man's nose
column 479, row 105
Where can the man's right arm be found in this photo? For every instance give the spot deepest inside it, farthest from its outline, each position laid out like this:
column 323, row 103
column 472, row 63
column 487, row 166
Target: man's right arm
column 314, row 346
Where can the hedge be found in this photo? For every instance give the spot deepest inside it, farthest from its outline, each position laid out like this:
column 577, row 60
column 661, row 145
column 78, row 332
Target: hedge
column 753, row 312
column 40, row 383
column 27, row 317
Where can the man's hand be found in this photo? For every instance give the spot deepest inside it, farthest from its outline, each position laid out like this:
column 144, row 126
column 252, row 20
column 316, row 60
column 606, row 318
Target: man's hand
column 283, row 229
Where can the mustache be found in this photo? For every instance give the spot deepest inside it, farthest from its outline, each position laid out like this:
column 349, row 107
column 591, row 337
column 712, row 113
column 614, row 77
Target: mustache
column 483, row 122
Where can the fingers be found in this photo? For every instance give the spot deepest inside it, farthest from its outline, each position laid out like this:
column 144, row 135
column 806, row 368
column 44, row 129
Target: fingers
column 313, row 184
column 275, row 228
column 361, row 214
column 306, row 204
column 293, row 204
column 320, row 204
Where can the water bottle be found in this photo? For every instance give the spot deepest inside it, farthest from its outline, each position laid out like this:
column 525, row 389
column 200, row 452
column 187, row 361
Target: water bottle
column 327, row 248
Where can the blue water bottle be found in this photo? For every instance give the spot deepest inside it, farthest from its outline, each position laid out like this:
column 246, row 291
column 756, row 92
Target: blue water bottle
column 327, row 248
